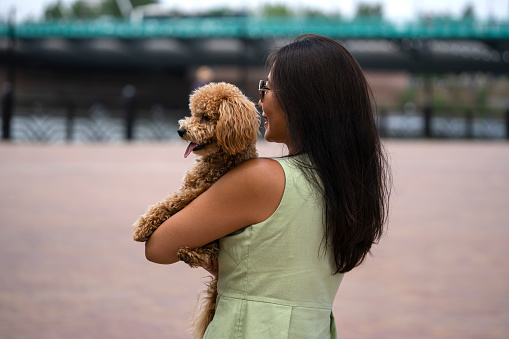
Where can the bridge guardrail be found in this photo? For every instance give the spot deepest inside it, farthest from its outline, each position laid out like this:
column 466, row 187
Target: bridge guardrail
column 125, row 118
column 261, row 28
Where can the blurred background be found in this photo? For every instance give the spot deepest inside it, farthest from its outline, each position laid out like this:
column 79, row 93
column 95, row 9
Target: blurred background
column 111, row 70
column 91, row 92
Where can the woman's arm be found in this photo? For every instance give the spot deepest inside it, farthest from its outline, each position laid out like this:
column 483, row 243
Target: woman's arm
column 246, row 195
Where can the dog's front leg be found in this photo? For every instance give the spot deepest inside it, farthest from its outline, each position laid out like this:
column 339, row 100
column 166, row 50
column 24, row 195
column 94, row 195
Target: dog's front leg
column 162, row 211
column 150, row 221
column 200, row 256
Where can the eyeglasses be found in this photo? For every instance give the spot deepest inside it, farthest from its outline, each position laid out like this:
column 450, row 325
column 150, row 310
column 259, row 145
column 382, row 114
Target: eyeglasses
column 262, row 88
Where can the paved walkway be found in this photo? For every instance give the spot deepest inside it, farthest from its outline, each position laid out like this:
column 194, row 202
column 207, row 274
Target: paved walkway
column 70, row 270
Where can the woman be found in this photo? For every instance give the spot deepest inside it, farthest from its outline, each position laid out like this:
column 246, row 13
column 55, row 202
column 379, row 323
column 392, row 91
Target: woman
column 302, row 220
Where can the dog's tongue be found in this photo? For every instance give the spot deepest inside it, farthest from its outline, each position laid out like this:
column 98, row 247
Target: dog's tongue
column 189, row 149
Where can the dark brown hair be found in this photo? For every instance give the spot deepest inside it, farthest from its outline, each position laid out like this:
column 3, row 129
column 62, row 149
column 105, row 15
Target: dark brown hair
column 329, row 109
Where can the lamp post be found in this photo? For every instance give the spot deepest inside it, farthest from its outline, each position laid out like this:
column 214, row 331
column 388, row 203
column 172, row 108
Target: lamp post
column 8, row 86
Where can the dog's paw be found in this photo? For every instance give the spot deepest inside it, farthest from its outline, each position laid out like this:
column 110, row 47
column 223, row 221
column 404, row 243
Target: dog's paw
column 140, row 234
column 183, row 258
column 192, row 257
column 183, row 254
column 137, row 236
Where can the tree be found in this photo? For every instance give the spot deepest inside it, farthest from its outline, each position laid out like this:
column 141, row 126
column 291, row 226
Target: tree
column 276, row 11
column 369, row 11
column 82, row 10
column 110, row 8
column 313, row 13
column 54, row 11
column 218, row 12
column 86, row 9
column 468, row 12
column 137, row 3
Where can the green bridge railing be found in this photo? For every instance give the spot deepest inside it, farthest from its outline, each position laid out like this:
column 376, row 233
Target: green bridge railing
column 260, row 28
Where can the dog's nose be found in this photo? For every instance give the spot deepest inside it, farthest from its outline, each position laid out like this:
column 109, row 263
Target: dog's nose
column 181, row 131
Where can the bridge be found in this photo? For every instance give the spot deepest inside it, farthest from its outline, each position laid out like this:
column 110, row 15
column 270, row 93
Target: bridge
column 424, row 45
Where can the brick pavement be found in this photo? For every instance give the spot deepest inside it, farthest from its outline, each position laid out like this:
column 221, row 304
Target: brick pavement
column 70, row 270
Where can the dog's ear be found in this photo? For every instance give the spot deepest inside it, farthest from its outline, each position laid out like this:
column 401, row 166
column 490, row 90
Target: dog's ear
column 238, row 123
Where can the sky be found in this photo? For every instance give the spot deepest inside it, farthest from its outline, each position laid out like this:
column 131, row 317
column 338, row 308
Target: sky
column 393, row 9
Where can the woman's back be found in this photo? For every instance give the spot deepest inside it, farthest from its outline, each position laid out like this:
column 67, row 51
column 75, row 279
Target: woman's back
column 275, row 279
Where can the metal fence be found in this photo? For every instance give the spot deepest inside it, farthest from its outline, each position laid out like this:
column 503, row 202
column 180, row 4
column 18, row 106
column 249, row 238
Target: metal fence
column 89, row 119
column 445, row 123
column 98, row 123
column 124, row 118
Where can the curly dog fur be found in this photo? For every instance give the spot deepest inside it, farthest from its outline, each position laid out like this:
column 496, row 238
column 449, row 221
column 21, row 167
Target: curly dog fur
column 222, row 131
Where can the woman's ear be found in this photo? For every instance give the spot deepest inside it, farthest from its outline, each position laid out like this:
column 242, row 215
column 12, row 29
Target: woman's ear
column 238, row 124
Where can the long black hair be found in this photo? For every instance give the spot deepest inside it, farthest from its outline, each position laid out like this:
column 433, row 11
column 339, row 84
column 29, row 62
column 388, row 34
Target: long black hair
column 329, row 109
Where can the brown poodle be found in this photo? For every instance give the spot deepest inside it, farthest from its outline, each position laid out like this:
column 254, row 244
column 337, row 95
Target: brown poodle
column 222, row 130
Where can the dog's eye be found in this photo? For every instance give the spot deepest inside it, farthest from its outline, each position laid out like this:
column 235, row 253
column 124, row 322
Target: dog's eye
column 205, row 118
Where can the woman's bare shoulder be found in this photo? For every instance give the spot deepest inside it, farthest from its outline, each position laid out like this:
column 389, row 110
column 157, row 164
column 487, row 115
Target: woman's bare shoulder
column 261, row 173
column 261, row 164
column 261, row 182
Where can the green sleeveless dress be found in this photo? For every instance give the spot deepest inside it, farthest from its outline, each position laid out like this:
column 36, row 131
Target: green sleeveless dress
column 274, row 279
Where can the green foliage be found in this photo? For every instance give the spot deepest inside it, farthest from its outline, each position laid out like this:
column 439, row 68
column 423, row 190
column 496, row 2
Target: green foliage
column 314, row 13
column 53, row 11
column 369, row 10
column 482, row 99
column 468, row 12
column 276, row 11
column 218, row 12
column 81, row 9
column 440, row 103
column 137, row 3
column 409, row 95
column 452, row 95
column 110, row 8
